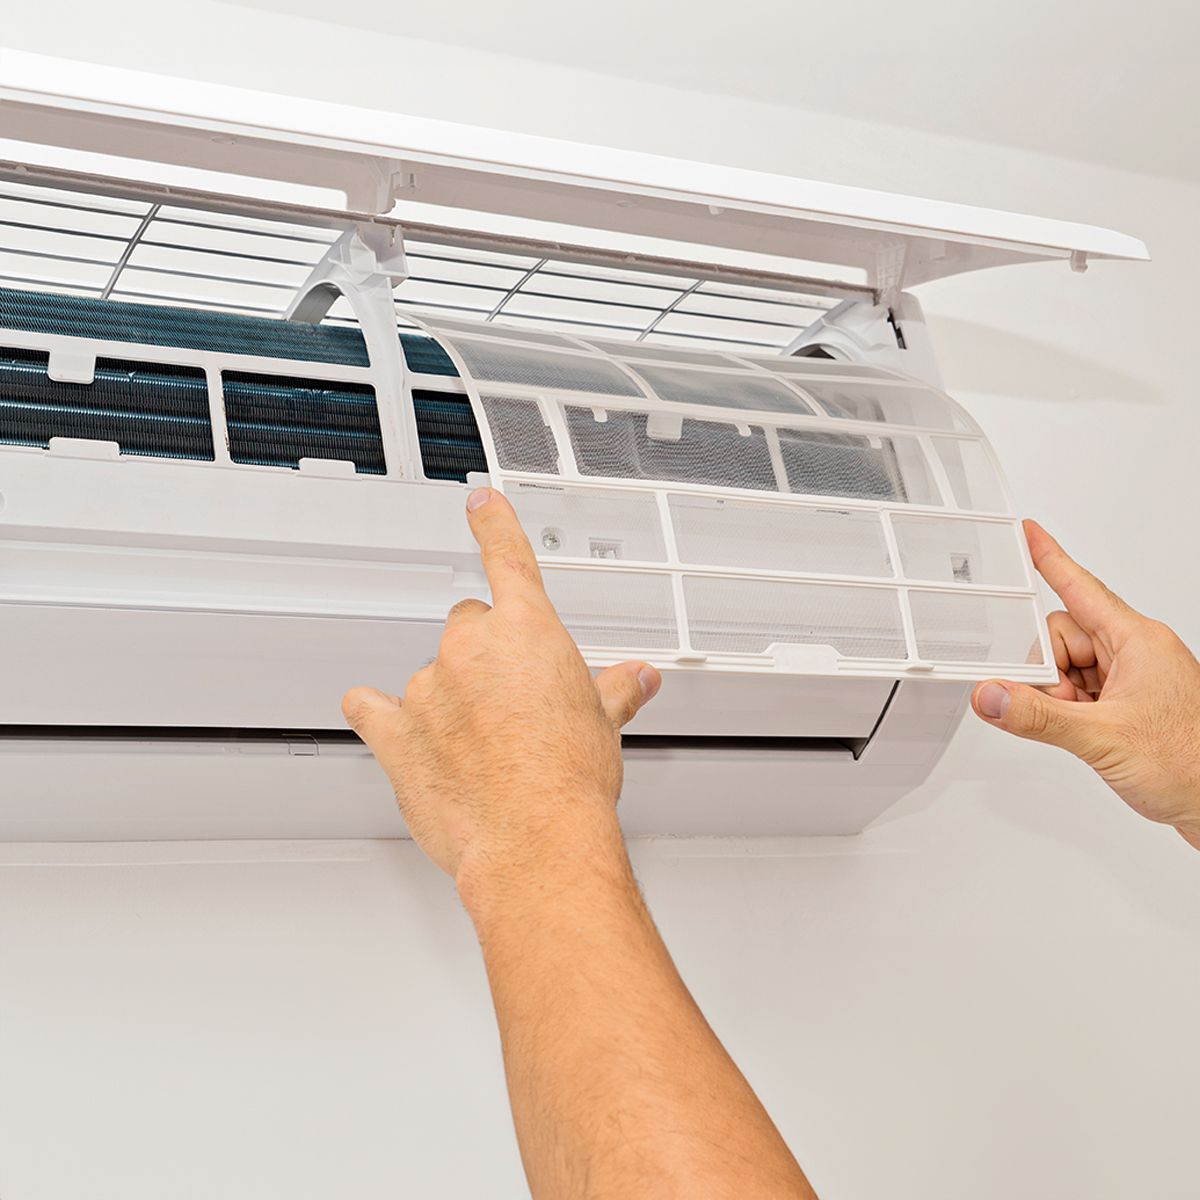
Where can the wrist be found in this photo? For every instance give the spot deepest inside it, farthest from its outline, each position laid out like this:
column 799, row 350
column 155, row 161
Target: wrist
column 513, row 878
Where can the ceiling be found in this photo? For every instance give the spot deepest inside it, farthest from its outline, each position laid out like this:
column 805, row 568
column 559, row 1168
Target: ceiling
column 1098, row 80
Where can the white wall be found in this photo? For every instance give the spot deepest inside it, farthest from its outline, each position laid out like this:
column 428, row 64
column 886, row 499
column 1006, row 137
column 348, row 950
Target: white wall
column 991, row 993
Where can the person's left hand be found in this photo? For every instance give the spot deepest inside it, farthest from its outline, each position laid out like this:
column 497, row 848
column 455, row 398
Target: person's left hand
column 505, row 753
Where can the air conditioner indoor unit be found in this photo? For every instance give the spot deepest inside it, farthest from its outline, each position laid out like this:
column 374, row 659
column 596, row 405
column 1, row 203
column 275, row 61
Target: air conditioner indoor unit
column 254, row 350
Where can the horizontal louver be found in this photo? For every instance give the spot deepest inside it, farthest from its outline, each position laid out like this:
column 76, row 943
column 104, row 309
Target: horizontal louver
column 277, row 420
column 146, row 408
column 449, row 437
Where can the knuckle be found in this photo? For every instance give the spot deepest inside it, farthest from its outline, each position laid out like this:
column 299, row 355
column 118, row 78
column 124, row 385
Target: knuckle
column 355, row 707
column 464, row 607
column 1160, row 634
column 420, row 686
column 1034, row 717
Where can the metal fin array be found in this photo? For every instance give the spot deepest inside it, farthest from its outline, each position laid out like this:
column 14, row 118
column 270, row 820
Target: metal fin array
column 424, row 356
column 191, row 329
column 451, row 447
column 147, row 409
column 275, row 420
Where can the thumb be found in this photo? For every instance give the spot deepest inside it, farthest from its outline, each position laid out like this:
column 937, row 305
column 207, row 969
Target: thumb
column 625, row 688
column 367, row 709
column 1030, row 713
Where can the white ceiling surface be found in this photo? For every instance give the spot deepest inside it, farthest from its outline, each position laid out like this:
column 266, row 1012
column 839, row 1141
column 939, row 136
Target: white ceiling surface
column 1098, row 80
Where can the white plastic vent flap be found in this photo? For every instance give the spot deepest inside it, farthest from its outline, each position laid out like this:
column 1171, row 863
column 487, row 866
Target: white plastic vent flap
column 716, row 511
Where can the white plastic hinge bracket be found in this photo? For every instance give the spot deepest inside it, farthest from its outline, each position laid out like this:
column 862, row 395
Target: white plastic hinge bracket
column 374, row 190
column 891, row 259
column 1079, row 261
column 71, row 366
column 363, row 258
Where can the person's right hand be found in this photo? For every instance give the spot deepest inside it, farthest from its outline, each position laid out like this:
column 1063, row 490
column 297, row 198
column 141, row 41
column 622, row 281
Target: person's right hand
column 1128, row 697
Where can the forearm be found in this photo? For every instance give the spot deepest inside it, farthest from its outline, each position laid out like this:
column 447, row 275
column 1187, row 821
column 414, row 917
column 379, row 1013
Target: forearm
column 618, row 1085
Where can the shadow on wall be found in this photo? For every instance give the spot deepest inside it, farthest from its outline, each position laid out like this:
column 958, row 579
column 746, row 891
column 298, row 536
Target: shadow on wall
column 980, row 358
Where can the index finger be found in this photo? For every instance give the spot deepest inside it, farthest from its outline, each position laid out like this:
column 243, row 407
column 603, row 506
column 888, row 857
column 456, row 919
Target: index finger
column 508, row 559
column 1095, row 609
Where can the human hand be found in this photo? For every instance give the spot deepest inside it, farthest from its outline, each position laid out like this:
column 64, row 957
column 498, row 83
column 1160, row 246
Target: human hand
column 504, row 752
column 1128, row 697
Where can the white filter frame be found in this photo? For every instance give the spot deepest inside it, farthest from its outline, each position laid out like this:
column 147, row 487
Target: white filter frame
column 789, row 657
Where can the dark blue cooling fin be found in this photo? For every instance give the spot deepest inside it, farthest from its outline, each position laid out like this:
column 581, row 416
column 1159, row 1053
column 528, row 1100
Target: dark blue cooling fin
column 186, row 328
column 146, row 408
column 425, row 356
column 273, row 419
column 451, row 447
column 276, row 420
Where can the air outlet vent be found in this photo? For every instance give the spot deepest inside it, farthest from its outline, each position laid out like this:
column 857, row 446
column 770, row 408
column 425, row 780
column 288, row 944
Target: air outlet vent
column 147, row 409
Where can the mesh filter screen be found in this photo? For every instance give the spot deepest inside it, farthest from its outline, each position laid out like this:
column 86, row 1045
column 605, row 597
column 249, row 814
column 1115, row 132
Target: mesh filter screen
column 960, row 627
column 523, row 440
column 775, row 537
column 619, row 446
column 745, row 616
column 721, row 506
column 532, row 367
column 719, row 389
column 894, row 405
column 856, row 465
column 972, row 476
column 615, row 608
column 566, row 522
column 958, row 551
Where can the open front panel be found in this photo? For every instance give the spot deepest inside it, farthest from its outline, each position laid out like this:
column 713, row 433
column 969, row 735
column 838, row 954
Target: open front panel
column 805, row 516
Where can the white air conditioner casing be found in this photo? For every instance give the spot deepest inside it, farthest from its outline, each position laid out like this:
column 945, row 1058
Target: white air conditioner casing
column 820, row 553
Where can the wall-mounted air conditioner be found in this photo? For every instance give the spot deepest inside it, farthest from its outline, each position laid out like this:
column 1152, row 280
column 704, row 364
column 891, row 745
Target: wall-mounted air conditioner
column 254, row 350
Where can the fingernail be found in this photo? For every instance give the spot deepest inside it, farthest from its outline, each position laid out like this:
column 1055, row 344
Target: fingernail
column 478, row 498
column 993, row 701
column 650, row 681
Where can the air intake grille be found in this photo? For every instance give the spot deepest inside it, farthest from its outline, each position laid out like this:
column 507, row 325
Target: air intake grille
column 450, row 443
column 275, row 421
column 147, row 409
column 161, row 325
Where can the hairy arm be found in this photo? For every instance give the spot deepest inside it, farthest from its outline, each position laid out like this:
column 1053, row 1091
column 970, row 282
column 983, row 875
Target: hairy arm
column 617, row 1083
column 506, row 760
